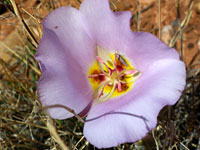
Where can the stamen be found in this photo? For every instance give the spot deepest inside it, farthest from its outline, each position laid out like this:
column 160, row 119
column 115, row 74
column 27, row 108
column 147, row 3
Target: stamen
column 95, row 75
column 101, row 61
column 101, row 93
column 119, row 86
column 136, row 74
column 129, row 72
column 133, row 73
column 123, row 82
column 98, row 90
column 115, row 60
column 106, row 97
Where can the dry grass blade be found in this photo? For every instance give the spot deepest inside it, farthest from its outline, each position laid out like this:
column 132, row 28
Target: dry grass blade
column 153, row 133
column 19, row 57
column 18, row 14
column 182, row 25
column 75, row 147
column 54, row 133
column 67, row 109
column 159, row 23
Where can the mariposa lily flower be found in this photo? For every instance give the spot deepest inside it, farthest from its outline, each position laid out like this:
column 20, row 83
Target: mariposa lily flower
column 93, row 63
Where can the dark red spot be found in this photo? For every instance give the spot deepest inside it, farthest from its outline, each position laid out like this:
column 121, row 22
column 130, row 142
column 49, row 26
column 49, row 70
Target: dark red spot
column 119, row 63
column 119, row 68
column 124, row 87
column 98, row 78
column 122, row 77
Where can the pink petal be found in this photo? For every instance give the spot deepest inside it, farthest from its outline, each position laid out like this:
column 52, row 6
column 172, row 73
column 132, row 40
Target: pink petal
column 108, row 29
column 65, row 53
column 161, row 84
column 144, row 49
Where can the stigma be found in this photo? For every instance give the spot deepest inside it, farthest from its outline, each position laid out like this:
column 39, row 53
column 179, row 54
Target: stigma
column 111, row 75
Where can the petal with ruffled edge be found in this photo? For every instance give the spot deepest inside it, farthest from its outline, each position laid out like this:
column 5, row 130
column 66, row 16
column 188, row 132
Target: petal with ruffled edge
column 111, row 30
column 160, row 85
column 64, row 53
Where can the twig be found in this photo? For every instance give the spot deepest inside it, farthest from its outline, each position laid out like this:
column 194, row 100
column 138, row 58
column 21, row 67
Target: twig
column 157, row 145
column 19, row 57
column 54, row 133
column 193, row 59
column 67, row 108
column 83, row 146
column 159, row 22
column 183, row 24
column 78, row 143
column 138, row 15
column 184, row 146
column 18, row 14
column 179, row 23
column 174, row 136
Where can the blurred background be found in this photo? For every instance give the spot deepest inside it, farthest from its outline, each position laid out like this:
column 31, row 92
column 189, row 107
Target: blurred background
column 23, row 124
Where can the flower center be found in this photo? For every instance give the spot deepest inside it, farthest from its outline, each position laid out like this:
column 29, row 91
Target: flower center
column 111, row 75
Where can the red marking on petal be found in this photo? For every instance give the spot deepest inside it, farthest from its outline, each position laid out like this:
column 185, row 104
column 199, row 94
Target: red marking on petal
column 98, row 76
column 93, row 76
column 119, row 63
column 119, row 68
column 124, row 87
